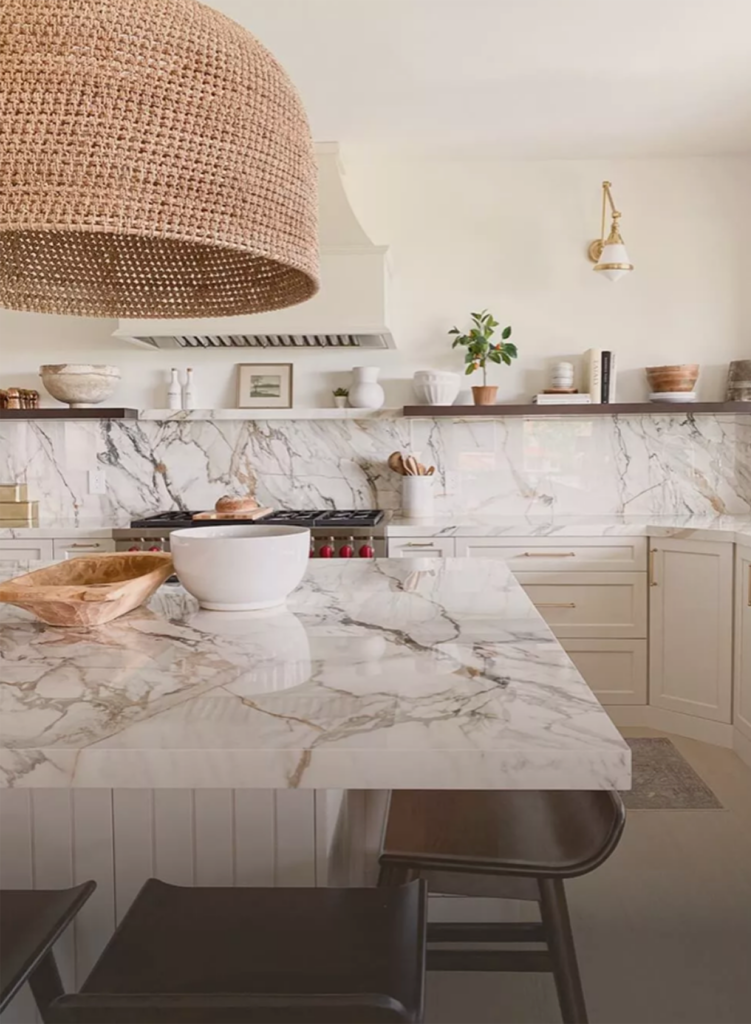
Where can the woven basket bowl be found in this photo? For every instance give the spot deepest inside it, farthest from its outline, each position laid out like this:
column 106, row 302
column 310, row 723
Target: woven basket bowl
column 155, row 161
column 673, row 378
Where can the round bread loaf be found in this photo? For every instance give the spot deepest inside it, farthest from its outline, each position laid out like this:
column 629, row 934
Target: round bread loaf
column 227, row 503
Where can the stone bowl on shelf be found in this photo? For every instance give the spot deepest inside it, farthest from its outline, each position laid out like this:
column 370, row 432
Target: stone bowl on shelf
column 673, row 378
column 79, row 385
column 436, row 387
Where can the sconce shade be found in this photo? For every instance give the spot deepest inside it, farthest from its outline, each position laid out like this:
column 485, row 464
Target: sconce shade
column 155, row 161
column 614, row 262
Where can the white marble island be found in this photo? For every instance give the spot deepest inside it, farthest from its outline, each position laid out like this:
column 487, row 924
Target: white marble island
column 377, row 675
column 208, row 749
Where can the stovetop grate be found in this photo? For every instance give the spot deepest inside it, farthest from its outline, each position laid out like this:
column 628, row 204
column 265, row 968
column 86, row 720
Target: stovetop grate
column 313, row 518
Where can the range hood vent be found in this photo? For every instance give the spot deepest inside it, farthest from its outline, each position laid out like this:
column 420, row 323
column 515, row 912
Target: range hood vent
column 349, row 311
column 265, row 341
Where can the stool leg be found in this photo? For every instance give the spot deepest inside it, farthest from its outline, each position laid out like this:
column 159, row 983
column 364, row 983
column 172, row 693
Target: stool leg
column 555, row 918
column 45, row 984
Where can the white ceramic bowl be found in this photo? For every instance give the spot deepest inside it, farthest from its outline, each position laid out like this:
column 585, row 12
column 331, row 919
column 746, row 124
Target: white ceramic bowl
column 240, row 568
column 79, row 385
column 672, row 396
column 436, row 387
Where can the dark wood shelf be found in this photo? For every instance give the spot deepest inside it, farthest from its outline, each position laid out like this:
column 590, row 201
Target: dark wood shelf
column 616, row 409
column 64, row 413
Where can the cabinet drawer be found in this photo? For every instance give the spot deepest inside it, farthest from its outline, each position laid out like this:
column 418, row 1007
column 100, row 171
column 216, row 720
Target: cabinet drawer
column 560, row 554
column 421, row 547
column 594, row 605
column 70, row 548
column 615, row 670
column 23, row 550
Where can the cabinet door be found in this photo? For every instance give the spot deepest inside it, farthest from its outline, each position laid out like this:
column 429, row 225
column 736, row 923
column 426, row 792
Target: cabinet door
column 592, row 605
column 421, row 547
column 615, row 670
column 23, row 550
column 691, row 627
column 742, row 705
column 82, row 546
column 560, row 554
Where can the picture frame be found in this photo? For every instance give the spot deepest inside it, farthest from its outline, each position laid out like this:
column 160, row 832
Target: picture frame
column 264, row 385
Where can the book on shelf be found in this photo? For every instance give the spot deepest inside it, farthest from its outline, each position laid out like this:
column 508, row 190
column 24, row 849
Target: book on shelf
column 607, row 377
column 578, row 399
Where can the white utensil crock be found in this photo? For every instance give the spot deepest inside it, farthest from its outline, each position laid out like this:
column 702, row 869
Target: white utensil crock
column 417, row 496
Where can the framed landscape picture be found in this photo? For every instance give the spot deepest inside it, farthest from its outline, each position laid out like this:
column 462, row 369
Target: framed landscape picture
column 264, row 386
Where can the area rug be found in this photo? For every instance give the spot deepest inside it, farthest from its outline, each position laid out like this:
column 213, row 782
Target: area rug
column 662, row 779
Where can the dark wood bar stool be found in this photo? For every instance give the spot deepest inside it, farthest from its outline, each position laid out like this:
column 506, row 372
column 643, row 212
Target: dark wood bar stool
column 511, row 845
column 229, row 956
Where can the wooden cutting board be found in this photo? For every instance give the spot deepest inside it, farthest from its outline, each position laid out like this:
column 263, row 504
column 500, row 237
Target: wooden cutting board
column 254, row 513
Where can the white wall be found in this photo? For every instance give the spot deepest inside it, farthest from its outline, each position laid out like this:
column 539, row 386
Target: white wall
column 509, row 235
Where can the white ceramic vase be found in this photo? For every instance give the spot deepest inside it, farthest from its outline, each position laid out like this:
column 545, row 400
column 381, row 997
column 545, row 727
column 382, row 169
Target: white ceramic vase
column 417, row 496
column 366, row 392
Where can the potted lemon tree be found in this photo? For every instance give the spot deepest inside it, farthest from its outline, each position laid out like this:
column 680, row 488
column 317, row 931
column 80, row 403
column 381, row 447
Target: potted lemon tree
column 480, row 348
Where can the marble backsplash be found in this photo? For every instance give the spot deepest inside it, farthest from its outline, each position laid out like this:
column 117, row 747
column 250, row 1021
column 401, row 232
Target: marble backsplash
column 604, row 465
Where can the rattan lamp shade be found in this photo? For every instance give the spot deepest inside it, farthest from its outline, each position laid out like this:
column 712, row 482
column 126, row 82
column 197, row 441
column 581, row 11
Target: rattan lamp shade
column 155, row 161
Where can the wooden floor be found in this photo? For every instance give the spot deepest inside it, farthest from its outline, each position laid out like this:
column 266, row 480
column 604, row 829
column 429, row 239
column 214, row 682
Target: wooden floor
column 663, row 929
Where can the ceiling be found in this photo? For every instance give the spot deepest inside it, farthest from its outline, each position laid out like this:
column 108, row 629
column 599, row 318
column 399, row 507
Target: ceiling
column 525, row 78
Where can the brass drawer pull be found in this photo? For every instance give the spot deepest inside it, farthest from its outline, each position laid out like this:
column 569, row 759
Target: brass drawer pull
column 85, row 545
column 412, row 544
column 548, row 554
column 556, row 604
column 652, row 580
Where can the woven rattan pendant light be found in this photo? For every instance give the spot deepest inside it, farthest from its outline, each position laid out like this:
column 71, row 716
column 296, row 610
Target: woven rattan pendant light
column 155, row 161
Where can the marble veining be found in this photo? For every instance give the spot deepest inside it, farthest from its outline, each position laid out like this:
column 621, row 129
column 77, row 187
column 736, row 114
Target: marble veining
column 633, row 465
column 376, row 675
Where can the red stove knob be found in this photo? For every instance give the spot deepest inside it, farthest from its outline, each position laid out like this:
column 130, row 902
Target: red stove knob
column 134, row 548
column 326, row 551
column 155, row 547
column 366, row 551
column 345, row 551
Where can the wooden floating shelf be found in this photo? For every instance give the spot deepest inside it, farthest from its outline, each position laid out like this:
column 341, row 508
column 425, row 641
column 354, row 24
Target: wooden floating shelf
column 536, row 411
column 64, row 413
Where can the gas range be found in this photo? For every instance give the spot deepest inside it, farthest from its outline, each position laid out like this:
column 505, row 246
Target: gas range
column 333, row 531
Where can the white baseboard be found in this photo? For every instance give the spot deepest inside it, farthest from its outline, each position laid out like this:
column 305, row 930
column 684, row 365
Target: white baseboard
column 742, row 746
column 719, row 733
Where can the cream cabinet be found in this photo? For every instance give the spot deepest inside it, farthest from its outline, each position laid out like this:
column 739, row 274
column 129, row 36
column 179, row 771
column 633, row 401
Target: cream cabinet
column 605, row 606
column 691, row 627
column 71, row 548
column 421, row 547
column 559, row 554
column 742, row 667
column 615, row 670
column 25, row 550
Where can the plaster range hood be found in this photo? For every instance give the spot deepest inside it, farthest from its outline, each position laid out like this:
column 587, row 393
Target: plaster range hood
column 349, row 311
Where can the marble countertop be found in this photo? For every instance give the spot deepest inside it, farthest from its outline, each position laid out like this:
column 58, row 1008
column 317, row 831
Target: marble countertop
column 469, row 524
column 474, row 524
column 376, row 675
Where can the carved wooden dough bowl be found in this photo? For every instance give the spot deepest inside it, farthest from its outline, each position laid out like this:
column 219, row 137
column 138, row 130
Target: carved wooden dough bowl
column 89, row 590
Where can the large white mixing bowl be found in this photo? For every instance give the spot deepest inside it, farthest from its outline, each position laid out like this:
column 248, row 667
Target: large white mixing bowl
column 240, row 568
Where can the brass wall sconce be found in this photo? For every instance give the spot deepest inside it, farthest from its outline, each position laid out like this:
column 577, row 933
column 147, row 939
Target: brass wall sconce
column 609, row 254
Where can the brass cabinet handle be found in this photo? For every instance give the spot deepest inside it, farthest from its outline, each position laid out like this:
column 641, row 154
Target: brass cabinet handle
column 556, row 604
column 652, row 580
column 547, row 554
column 412, row 544
column 85, row 545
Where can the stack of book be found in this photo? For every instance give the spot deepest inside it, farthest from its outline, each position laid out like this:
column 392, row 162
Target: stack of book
column 599, row 372
column 551, row 398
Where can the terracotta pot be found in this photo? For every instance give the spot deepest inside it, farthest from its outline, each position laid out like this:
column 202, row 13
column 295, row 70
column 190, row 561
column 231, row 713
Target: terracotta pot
column 673, row 378
column 485, row 394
